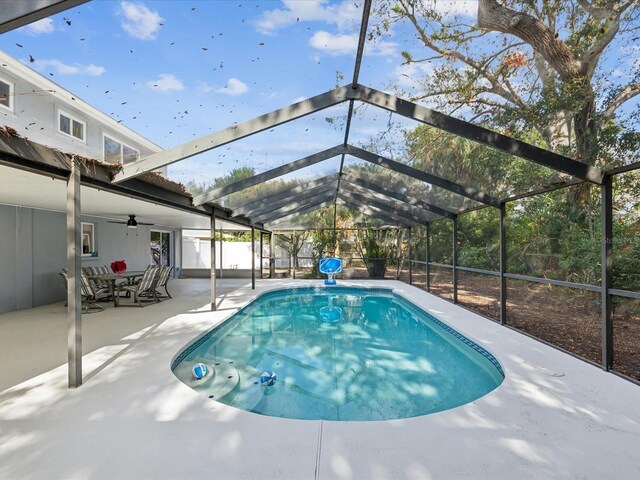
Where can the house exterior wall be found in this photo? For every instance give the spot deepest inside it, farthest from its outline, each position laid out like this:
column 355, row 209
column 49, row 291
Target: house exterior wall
column 33, row 250
column 36, row 104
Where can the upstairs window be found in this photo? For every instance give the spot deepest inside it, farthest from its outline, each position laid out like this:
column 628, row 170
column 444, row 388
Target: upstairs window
column 118, row 152
column 6, row 95
column 71, row 126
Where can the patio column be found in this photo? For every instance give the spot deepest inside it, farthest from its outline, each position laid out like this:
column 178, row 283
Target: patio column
column 261, row 257
column 272, row 255
column 607, row 274
column 213, row 263
column 427, row 255
column 503, row 263
column 455, row 259
column 410, row 254
column 221, row 232
column 74, row 298
column 293, row 255
column 399, row 252
column 253, row 257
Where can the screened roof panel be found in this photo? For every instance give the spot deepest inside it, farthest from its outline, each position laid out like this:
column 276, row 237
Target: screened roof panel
column 323, row 218
column 267, row 149
column 391, row 180
column 370, row 197
column 313, row 173
column 448, row 156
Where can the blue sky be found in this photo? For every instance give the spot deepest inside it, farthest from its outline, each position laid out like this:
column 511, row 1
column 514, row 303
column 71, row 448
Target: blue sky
column 177, row 70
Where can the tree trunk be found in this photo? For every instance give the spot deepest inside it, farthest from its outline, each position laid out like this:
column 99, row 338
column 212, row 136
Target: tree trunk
column 585, row 128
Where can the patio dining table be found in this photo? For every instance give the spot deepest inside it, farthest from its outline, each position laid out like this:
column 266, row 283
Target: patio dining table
column 111, row 278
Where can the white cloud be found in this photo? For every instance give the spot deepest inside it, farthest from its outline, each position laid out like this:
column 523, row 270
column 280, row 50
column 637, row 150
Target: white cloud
column 234, row 87
column 340, row 44
column 334, row 44
column 342, row 15
column 140, row 23
column 40, row 27
column 166, row 82
column 413, row 75
column 65, row 69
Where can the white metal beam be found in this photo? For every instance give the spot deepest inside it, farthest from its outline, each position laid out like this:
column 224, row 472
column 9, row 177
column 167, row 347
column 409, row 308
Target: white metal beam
column 74, row 265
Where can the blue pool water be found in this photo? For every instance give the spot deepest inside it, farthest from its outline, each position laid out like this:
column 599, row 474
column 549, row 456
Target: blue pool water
column 339, row 354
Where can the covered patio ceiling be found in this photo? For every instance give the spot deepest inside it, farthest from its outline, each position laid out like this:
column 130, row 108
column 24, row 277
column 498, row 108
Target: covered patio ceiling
column 35, row 176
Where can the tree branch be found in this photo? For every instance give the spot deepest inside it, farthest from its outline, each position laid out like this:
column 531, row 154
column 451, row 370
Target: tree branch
column 624, row 95
column 477, row 67
column 493, row 16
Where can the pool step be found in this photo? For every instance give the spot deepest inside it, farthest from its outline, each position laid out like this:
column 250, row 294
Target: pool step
column 222, row 378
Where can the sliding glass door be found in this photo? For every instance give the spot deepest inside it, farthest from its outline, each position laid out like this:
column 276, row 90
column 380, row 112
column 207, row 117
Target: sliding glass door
column 161, row 250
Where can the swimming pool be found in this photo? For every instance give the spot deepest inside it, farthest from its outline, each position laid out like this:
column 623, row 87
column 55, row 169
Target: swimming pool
column 338, row 353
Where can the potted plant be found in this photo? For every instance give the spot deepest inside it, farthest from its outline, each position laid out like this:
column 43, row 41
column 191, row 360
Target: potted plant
column 376, row 251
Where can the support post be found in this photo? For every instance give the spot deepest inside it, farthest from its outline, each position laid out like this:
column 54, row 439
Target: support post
column 455, row 259
column 399, row 253
column 428, row 255
column 213, row 263
column 410, row 254
column 503, row 263
column 272, row 255
column 293, row 255
column 607, row 274
column 253, row 257
column 261, row 257
column 74, row 297
column 221, row 262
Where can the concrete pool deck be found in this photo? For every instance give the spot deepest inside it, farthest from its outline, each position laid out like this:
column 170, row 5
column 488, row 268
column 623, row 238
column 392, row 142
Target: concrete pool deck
column 553, row 416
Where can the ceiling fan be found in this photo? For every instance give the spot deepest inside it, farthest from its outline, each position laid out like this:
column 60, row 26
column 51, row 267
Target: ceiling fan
column 131, row 223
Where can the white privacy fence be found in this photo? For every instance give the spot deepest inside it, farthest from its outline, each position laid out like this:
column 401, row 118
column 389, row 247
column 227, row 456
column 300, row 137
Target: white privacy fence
column 196, row 253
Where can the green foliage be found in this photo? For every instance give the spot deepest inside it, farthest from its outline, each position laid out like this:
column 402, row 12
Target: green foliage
column 377, row 248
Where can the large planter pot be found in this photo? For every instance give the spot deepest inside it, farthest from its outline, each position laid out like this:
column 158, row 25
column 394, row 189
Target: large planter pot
column 376, row 267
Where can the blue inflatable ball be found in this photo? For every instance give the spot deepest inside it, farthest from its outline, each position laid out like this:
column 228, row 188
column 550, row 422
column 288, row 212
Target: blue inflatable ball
column 200, row 370
column 268, row 378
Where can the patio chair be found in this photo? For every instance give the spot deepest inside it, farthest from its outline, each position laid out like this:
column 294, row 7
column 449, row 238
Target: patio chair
column 146, row 287
column 97, row 283
column 89, row 293
column 163, row 279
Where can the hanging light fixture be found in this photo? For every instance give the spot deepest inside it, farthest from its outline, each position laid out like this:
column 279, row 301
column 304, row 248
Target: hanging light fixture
column 131, row 223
